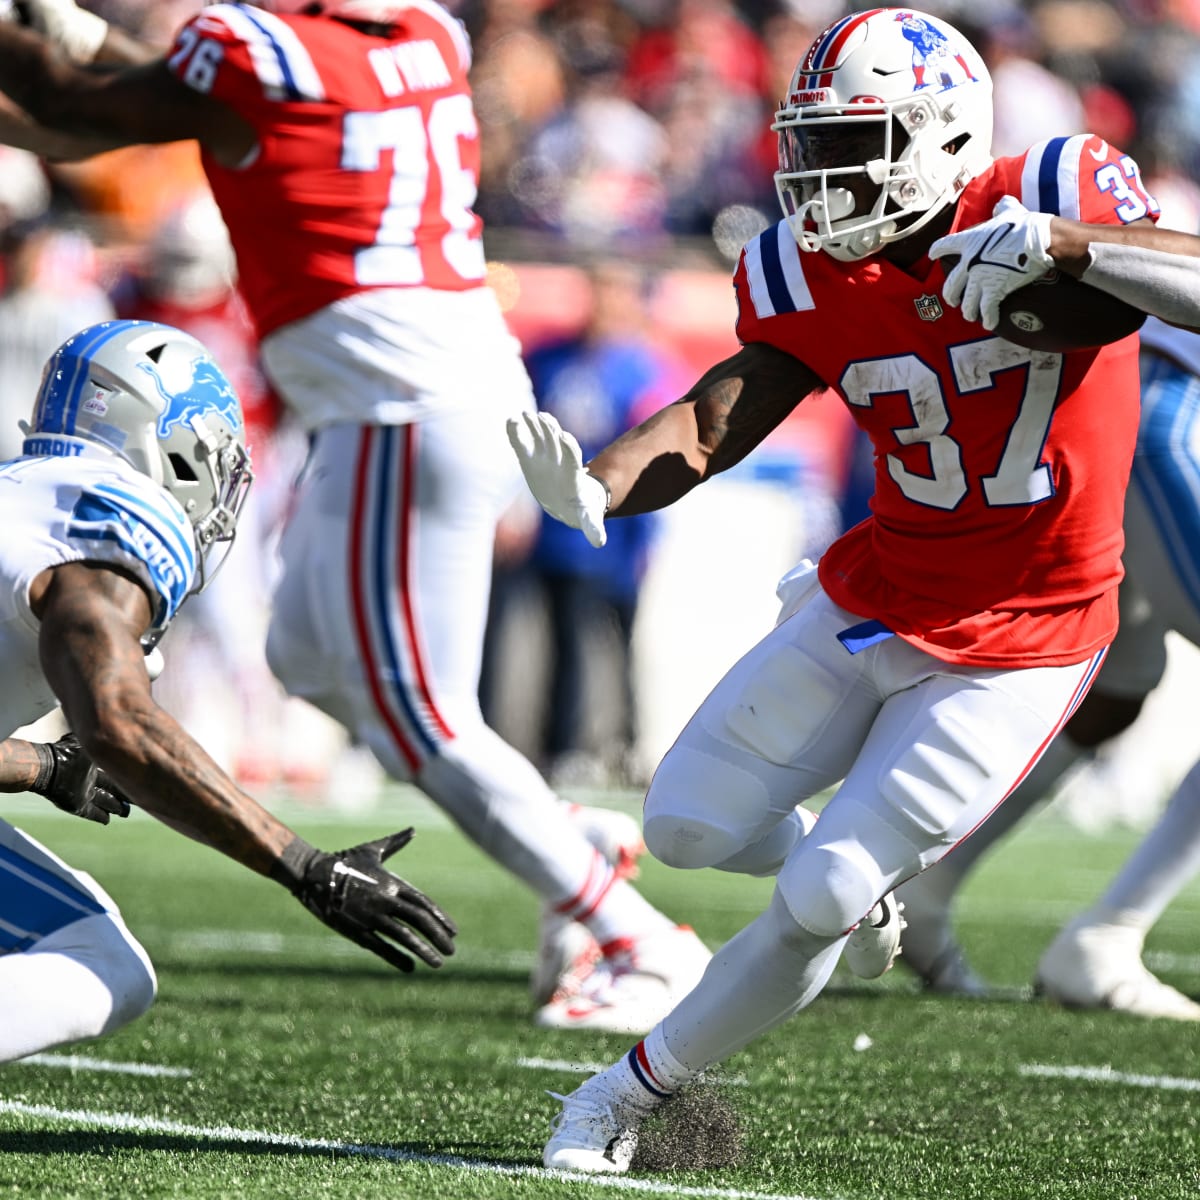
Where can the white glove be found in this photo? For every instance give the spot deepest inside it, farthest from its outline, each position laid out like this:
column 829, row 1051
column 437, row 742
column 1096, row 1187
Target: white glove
column 553, row 466
column 79, row 33
column 995, row 258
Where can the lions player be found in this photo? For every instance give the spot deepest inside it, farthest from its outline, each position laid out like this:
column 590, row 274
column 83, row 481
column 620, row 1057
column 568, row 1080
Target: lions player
column 1096, row 960
column 133, row 475
column 938, row 647
column 341, row 144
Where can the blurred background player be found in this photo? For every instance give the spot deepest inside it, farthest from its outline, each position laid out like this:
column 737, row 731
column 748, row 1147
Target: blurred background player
column 598, row 380
column 134, row 473
column 925, row 664
column 1096, row 960
column 342, row 150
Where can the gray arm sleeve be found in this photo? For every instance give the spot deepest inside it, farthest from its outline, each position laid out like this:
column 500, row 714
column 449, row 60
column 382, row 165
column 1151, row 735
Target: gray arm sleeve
column 1163, row 285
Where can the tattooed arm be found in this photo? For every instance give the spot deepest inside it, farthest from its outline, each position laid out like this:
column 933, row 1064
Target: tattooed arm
column 728, row 412
column 92, row 618
column 20, row 765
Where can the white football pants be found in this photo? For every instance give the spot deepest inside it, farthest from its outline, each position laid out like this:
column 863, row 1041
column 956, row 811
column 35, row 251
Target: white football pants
column 924, row 751
column 69, row 968
column 379, row 620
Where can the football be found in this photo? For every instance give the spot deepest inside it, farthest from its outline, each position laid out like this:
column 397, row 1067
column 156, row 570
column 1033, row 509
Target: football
column 1060, row 314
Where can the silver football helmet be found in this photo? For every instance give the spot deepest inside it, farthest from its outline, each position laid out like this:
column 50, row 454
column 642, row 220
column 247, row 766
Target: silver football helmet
column 152, row 395
column 888, row 117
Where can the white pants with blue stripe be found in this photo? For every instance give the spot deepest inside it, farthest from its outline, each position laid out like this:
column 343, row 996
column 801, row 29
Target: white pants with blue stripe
column 69, row 968
column 379, row 619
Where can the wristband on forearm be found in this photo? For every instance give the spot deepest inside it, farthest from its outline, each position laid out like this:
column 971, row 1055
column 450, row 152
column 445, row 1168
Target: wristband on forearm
column 293, row 863
column 1159, row 283
column 46, row 768
column 607, row 491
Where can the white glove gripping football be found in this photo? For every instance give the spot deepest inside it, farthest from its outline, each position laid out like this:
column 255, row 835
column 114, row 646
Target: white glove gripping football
column 995, row 258
column 79, row 33
column 553, row 466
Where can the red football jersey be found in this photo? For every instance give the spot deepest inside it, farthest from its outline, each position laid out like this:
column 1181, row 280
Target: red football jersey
column 996, row 530
column 367, row 162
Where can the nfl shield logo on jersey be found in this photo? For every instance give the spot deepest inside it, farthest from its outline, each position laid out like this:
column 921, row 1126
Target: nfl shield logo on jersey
column 929, row 308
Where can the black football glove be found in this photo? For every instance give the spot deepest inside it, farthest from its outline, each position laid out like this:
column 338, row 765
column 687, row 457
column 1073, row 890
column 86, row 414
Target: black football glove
column 72, row 782
column 353, row 893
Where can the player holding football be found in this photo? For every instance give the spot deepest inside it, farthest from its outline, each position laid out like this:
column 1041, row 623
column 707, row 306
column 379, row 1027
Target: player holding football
column 134, row 472
column 926, row 663
column 342, row 148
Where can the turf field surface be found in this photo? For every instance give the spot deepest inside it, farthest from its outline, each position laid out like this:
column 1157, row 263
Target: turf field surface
column 282, row 1061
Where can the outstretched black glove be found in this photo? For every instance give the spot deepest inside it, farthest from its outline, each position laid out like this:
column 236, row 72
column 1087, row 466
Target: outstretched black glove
column 353, row 893
column 72, row 782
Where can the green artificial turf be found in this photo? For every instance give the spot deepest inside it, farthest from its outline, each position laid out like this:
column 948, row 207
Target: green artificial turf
column 314, row 1070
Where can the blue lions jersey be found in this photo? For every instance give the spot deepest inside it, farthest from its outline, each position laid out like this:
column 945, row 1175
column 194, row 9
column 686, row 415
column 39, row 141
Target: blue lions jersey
column 90, row 507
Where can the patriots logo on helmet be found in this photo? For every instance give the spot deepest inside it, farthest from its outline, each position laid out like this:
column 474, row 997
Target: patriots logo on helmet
column 206, row 391
column 935, row 61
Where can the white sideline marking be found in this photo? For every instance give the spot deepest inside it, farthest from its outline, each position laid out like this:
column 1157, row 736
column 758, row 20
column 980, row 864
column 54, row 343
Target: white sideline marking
column 1108, row 1075
column 79, row 1062
column 228, row 1133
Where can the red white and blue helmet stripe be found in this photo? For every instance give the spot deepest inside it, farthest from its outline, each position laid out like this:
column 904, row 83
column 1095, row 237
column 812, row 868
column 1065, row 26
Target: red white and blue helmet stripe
column 826, row 52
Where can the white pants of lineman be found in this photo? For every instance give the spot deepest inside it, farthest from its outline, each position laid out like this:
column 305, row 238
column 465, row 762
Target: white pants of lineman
column 69, row 968
column 380, row 612
column 923, row 750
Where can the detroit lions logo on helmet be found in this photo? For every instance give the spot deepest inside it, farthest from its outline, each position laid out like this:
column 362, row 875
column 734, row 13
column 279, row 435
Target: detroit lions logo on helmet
column 207, row 391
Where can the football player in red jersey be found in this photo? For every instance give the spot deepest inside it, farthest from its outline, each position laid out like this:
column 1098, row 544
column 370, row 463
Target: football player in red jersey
column 341, row 145
column 928, row 660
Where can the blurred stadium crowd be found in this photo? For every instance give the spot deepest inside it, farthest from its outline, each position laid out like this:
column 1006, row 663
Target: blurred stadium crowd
column 627, row 156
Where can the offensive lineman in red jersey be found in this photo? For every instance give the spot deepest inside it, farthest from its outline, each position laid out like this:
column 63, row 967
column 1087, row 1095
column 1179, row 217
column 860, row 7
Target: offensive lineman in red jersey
column 925, row 664
column 341, row 145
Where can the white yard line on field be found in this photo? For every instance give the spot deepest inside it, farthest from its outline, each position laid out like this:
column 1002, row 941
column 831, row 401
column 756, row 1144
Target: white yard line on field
column 1170, row 1083
column 78, row 1062
column 286, row 1141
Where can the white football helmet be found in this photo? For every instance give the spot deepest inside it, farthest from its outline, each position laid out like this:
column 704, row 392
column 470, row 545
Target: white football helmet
column 888, row 117
column 152, row 395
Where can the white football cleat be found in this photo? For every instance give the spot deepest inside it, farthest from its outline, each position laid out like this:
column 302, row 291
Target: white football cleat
column 948, row 974
column 932, row 953
column 566, row 955
column 1100, row 966
column 566, row 951
column 634, row 987
column 596, row 1131
column 874, row 942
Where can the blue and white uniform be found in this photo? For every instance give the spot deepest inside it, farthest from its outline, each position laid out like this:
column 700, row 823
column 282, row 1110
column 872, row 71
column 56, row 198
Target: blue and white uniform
column 69, row 968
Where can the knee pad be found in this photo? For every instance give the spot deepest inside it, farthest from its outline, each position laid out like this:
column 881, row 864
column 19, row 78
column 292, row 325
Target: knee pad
column 701, row 810
column 829, row 888
column 111, row 978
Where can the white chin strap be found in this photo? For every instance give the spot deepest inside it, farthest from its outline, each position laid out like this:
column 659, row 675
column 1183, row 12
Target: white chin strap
column 837, row 206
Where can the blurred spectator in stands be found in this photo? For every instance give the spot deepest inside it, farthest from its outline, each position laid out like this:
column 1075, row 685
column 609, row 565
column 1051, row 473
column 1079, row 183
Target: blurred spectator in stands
column 1031, row 102
column 593, row 171
column 519, row 83
column 599, row 381
column 48, row 289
